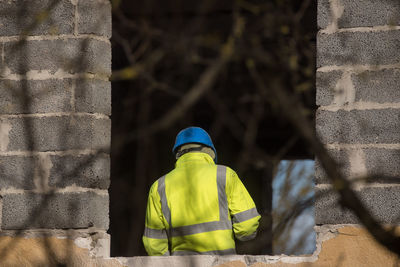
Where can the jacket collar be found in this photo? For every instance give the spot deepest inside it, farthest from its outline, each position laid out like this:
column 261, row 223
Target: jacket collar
column 200, row 157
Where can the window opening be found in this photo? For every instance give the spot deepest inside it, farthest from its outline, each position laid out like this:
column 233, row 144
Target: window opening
column 293, row 208
column 161, row 50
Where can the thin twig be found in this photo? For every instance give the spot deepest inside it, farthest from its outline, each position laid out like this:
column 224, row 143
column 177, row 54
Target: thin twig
column 293, row 110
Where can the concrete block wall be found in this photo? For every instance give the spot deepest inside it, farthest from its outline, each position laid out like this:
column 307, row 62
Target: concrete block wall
column 55, row 107
column 55, row 133
column 358, row 94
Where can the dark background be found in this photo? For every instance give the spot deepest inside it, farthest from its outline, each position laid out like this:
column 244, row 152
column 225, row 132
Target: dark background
column 160, row 50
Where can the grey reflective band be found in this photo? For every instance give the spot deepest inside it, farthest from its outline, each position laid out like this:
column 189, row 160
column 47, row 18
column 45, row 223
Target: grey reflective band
column 201, row 228
column 223, row 224
column 247, row 237
column 163, row 196
column 230, row 251
column 245, row 215
column 222, row 200
column 155, row 233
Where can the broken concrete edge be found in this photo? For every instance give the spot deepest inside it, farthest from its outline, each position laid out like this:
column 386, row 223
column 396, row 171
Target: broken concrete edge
column 92, row 246
column 324, row 233
column 348, row 242
column 96, row 241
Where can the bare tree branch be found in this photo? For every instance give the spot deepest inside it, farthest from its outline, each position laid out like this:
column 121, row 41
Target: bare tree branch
column 294, row 111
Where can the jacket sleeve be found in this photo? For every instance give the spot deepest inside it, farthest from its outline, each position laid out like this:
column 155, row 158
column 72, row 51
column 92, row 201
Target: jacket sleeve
column 244, row 215
column 155, row 237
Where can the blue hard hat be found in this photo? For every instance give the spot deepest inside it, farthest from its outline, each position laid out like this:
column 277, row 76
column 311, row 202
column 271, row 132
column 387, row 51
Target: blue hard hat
column 194, row 135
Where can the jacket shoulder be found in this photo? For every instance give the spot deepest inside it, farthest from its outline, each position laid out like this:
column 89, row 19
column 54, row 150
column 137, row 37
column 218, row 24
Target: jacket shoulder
column 230, row 173
column 154, row 186
column 224, row 166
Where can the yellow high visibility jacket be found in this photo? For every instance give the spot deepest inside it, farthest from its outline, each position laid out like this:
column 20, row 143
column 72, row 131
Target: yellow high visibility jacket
column 198, row 208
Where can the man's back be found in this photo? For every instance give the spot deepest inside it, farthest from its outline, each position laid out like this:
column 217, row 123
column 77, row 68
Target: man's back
column 195, row 204
column 196, row 196
column 192, row 191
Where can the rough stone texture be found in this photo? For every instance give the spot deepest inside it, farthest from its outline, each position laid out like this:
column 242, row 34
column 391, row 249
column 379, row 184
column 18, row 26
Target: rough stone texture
column 326, row 82
column 59, row 210
column 31, row 96
column 382, row 202
column 59, row 133
column 366, row 128
column 93, row 96
column 94, row 17
column 382, row 165
column 354, row 246
column 359, row 126
column 352, row 48
column 16, row 18
column 90, row 171
column 71, row 55
column 385, row 162
column 361, row 13
column 17, row 172
column 339, row 246
column 370, row 86
column 54, row 95
column 378, row 86
column 45, row 250
column 47, row 121
column 324, row 15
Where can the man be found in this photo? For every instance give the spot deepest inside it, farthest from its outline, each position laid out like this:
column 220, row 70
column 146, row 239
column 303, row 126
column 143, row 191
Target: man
column 198, row 207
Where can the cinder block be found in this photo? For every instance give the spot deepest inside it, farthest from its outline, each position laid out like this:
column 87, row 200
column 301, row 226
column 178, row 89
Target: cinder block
column 31, row 96
column 382, row 202
column 17, row 172
column 364, row 13
column 326, row 82
column 370, row 86
column 93, row 96
column 71, row 55
column 378, row 86
column 340, row 157
column 90, row 171
column 382, row 164
column 353, row 48
column 59, row 210
column 359, row 126
column 59, row 133
column 94, row 17
column 324, row 14
column 360, row 13
column 19, row 16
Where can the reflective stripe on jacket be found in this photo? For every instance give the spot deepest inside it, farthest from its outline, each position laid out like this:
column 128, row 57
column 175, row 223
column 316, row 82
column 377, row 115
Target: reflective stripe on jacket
column 198, row 208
